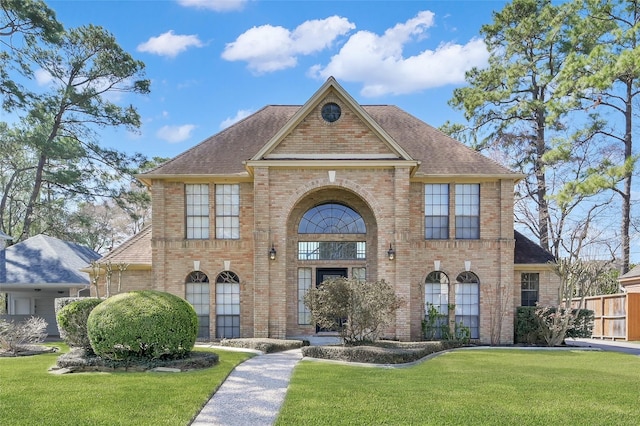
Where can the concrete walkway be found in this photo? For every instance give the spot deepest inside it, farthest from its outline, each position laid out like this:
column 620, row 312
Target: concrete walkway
column 253, row 392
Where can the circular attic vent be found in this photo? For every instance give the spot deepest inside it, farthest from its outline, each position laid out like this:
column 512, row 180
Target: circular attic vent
column 331, row 112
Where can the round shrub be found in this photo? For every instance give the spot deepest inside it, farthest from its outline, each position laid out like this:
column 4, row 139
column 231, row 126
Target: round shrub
column 145, row 324
column 72, row 321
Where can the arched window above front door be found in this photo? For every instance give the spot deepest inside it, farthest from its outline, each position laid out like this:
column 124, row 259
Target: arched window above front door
column 332, row 218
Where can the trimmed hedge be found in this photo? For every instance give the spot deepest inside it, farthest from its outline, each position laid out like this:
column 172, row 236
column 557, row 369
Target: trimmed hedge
column 266, row 346
column 145, row 324
column 528, row 331
column 382, row 352
column 72, row 321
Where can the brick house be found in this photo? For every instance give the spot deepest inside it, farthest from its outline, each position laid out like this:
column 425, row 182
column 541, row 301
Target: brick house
column 245, row 222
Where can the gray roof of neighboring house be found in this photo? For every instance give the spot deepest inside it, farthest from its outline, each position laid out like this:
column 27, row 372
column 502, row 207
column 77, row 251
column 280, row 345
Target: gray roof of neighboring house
column 528, row 252
column 42, row 259
column 225, row 152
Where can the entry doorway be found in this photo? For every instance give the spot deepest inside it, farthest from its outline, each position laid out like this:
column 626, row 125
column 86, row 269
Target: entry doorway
column 323, row 274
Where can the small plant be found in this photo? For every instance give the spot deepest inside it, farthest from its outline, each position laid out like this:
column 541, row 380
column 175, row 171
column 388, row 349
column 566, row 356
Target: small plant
column 462, row 333
column 435, row 325
column 14, row 336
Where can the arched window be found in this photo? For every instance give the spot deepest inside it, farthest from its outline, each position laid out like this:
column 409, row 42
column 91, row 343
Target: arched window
column 331, row 218
column 468, row 302
column 436, row 305
column 197, row 293
column 227, row 305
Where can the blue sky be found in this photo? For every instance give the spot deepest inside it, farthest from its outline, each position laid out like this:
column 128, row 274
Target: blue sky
column 213, row 62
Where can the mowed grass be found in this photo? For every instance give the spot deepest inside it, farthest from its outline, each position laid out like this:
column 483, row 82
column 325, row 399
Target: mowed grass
column 30, row 395
column 471, row 387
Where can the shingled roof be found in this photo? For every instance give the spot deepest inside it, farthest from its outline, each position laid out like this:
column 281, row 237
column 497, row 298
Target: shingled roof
column 528, row 252
column 47, row 260
column 226, row 152
column 134, row 251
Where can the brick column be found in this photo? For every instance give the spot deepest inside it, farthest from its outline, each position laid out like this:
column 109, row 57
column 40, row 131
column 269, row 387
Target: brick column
column 403, row 251
column 261, row 299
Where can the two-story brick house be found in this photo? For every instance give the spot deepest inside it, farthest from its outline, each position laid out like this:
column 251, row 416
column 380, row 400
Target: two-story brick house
column 247, row 221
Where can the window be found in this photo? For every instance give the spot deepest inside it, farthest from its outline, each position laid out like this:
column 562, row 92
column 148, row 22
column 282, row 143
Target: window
column 227, row 305
column 436, row 302
column 436, row 211
column 304, row 285
column 359, row 274
column 197, row 293
column 228, row 211
column 331, row 112
column 468, row 302
column 332, row 250
column 530, row 283
column 197, row 201
column 331, row 219
column 468, row 211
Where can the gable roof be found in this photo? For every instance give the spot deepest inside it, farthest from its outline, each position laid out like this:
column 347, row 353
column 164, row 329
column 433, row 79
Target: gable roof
column 528, row 252
column 134, row 251
column 225, row 153
column 47, row 260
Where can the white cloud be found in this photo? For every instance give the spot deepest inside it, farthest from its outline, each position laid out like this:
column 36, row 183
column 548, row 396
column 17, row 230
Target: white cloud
column 243, row 113
column 175, row 134
column 378, row 62
column 268, row 48
column 43, row 78
column 169, row 44
column 215, row 5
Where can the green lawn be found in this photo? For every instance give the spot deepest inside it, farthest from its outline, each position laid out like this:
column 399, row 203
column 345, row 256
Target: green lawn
column 30, row 395
column 469, row 387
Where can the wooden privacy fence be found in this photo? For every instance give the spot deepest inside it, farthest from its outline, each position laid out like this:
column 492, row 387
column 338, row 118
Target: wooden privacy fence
column 616, row 316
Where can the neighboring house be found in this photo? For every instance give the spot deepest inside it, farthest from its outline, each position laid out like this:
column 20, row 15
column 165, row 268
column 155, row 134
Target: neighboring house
column 130, row 265
column 37, row 271
column 630, row 281
column 246, row 222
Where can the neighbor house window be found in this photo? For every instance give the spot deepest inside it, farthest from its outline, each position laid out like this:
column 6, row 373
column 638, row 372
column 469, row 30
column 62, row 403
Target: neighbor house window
column 228, row 212
column 468, row 211
column 436, row 211
column 530, row 284
column 468, row 302
column 197, row 201
column 304, row 285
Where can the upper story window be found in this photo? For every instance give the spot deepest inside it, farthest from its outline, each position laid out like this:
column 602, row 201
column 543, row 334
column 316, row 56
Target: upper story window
column 197, row 208
column 228, row 211
column 468, row 211
column 331, row 218
column 436, row 211
column 530, row 284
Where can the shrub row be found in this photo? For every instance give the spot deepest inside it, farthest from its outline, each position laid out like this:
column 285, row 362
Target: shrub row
column 383, row 352
column 267, row 346
column 528, row 327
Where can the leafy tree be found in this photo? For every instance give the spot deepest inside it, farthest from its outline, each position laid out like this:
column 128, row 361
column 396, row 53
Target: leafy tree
column 359, row 310
column 517, row 112
column 513, row 99
column 87, row 68
column 22, row 24
column 606, row 78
